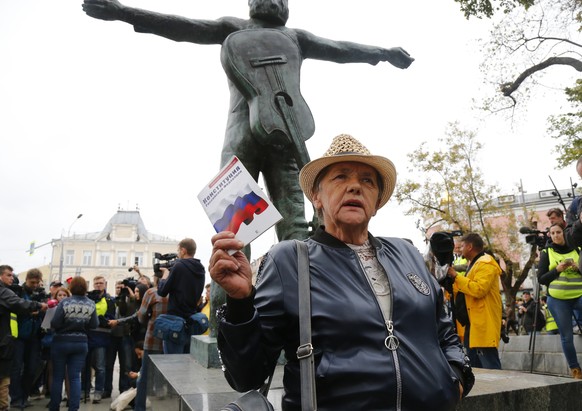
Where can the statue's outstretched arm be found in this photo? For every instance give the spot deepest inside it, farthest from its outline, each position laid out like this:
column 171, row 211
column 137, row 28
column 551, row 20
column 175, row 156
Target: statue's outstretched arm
column 320, row 48
column 175, row 28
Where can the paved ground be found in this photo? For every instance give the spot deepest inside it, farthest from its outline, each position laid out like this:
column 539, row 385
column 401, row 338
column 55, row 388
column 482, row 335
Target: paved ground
column 41, row 404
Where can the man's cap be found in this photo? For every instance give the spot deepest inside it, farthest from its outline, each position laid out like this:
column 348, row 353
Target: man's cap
column 56, row 284
column 526, row 292
column 346, row 148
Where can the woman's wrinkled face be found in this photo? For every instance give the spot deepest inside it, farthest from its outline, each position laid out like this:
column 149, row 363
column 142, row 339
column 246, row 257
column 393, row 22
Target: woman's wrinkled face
column 557, row 235
column 348, row 195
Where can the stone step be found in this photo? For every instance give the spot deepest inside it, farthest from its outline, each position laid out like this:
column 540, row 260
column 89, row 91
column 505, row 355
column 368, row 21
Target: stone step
column 178, row 383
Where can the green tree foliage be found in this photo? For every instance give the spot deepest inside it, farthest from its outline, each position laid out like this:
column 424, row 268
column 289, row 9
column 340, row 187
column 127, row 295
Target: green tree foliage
column 526, row 46
column 448, row 190
column 487, row 8
column 567, row 128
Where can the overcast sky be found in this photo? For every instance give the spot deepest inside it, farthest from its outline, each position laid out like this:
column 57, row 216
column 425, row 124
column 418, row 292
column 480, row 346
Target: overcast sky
column 94, row 116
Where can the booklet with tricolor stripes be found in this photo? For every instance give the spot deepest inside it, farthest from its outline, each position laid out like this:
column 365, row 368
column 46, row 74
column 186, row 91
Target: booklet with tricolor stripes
column 234, row 202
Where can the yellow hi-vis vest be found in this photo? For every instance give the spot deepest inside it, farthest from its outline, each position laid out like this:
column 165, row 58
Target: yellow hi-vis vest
column 550, row 322
column 14, row 325
column 460, row 261
column 568, row 285
column 101, row 306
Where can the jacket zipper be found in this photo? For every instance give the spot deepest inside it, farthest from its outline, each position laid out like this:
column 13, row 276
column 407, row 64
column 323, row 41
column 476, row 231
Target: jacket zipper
column 391, row 342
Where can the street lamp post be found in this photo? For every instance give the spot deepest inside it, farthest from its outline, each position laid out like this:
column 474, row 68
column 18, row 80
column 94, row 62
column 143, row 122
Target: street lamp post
column 63, row 248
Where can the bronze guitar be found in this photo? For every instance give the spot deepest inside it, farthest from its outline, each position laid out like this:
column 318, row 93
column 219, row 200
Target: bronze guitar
column 265, row 64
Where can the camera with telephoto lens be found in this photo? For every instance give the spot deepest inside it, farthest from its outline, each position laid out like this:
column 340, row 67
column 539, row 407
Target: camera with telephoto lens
column 535, row 237
column 163, row 261
column 39, row 295
column 442, row 245
column 129, row 282
column 94, row 295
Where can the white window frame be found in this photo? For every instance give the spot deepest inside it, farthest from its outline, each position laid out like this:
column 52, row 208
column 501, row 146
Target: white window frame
column 122, row 258
column 69, row 257
column 105, row 259
column 87, row 257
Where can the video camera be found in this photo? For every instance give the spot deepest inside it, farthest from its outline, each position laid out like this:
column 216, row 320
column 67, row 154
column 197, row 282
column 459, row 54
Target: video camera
column 39, row 295
column 535, row 237
column 163, row 261
column 129, row 282
column 442, row 245
column 94, row 295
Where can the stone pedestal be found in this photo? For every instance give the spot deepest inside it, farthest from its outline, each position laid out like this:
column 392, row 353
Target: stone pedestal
column 204, row 351
column 548, row 357
column 178, row 383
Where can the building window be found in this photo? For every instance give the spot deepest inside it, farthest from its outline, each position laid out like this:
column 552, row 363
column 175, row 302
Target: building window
column 87, row 258
column 70, row 257
column 105, row 259
column 122, row 258
column 138, row 259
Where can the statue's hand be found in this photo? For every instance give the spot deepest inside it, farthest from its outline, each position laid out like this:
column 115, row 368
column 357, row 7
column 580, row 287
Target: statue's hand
column 398, row 57
column 232, row 272
column 103, row 9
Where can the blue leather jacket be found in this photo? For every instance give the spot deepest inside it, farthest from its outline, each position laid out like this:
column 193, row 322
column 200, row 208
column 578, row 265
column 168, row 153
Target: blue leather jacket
column 354, row 368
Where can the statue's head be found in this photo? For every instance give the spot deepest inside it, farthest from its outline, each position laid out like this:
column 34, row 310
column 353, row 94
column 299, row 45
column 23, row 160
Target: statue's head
column 274, row 11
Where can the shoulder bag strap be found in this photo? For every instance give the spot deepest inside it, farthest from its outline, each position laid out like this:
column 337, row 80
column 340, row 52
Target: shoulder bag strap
column 305, row 349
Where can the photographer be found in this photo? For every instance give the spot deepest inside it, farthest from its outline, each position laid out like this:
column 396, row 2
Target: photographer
column 27, row 364
column 99, row 338
column 558, row 270
column 10, row 303
column 183, row 285
column 152, row 305
column 481, row 288
column 143, row 279
column 530, row 314
column 121, row 344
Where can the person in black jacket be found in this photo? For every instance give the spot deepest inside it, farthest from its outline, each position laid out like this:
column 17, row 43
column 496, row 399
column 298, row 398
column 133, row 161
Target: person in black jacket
column 183, row 284
column 27, row 364
column 381, row 338
column 10, row 306
column 74, row 317
column 531, row 314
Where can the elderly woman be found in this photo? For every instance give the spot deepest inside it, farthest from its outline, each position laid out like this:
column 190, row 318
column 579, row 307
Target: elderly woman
column 364, row 291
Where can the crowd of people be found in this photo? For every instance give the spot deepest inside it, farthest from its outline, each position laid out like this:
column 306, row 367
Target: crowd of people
column 69, row 339
column 406, row 352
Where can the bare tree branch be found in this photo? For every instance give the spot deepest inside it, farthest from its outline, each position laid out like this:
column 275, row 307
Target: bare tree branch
column 508, row 88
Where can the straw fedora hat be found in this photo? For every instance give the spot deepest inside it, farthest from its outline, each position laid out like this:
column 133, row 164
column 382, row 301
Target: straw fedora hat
column 346, row 148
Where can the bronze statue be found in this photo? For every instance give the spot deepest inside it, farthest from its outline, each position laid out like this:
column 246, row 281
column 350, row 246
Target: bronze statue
column 268, row 121
column 268, row 118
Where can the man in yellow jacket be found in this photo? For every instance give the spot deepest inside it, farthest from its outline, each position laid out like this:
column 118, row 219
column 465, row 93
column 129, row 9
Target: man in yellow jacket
column 481, row 289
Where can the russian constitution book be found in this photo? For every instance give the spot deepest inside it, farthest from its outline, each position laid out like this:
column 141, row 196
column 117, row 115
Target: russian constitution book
column 234, row 202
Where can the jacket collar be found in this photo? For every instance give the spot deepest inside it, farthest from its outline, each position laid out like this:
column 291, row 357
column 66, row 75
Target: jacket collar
column 323, row 237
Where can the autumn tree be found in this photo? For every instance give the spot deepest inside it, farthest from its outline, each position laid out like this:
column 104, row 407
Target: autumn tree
column 449, row 190
column 487, row 8
column 532, row 46
column 566, row 128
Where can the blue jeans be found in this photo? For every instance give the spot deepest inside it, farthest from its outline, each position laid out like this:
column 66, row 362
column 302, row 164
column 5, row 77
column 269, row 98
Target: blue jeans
column 482, row 357
column 122, row 347
column 142, row 380
column 95, row 359
column 25, row 366
column 562, row 310
column 69, row 356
